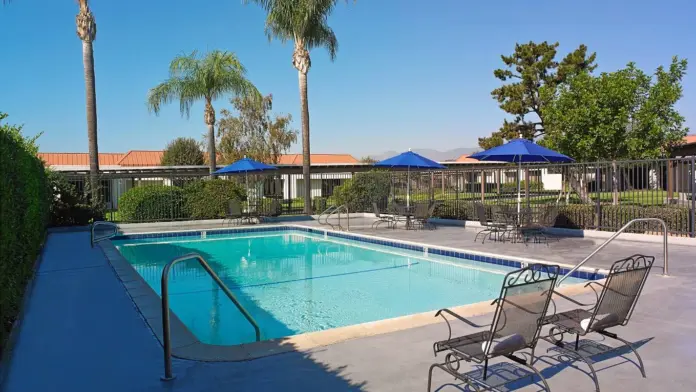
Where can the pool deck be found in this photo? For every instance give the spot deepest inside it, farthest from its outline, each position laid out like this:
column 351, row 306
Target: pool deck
column 82, row 332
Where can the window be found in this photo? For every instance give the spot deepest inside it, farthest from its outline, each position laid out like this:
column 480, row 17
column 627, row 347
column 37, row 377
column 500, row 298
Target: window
column 273, row 187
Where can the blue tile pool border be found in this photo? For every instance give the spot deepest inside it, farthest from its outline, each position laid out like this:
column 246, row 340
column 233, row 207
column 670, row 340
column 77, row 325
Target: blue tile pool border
column 489, row 259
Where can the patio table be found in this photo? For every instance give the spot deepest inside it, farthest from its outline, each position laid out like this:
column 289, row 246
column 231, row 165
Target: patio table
column 515, row 219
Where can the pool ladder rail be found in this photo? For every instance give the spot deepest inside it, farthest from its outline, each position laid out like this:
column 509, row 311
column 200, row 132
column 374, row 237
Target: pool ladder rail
column 665, row 253
column 93, row 240
column 166, row 332
column 338, row 211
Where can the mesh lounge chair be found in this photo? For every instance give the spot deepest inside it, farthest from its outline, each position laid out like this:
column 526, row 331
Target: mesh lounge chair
column 234, row 212
column 381, row 218
column 422, row 213
column 537, row 229
column 613, row 308
column 489, row 228
column 517, row 321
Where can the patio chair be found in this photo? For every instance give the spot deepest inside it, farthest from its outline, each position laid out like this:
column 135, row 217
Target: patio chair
column 422, row 213
column 613, row 308
column 520, row 310
column 272, row 211
column 489, row 228
column 382, row 218
column 234, row 212
column 537, row 229
column 401, row 214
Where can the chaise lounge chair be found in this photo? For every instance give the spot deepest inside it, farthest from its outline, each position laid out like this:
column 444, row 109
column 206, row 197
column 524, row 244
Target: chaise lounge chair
column 489, row 228
column 381, row 218
column 517, row 321
column 234, row 212
column 613, row 308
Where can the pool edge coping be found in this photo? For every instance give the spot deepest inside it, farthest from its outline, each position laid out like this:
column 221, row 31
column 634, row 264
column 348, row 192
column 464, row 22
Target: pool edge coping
column 186, row 345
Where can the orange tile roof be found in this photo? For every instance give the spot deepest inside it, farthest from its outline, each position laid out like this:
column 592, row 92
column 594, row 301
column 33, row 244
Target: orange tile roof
column 78, row 158
column 465, row 159
column 317, row 159
column 141, row 158
column 689, row 139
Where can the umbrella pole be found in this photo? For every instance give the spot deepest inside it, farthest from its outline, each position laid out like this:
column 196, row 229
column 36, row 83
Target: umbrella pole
column 246, row 183
column 408, row 187
column 519, row 181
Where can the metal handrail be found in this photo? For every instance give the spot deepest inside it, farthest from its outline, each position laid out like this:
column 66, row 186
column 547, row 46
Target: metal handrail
column 328, row 213
column 345, row 208
column 93, row 240
column 665, row 267
column 165, row 308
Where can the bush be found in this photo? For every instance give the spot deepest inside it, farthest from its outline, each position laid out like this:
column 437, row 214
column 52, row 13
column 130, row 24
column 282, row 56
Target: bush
column 182, row 151
column 24, row 201
column 511, row 187
column 209, row 199
column 152, row 203
column 359, row 192
column 68, row 206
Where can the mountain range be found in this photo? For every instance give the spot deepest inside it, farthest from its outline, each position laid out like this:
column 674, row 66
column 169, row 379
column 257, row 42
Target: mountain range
column 435, row 155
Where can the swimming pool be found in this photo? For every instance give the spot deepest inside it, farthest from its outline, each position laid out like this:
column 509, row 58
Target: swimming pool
column 294, row 281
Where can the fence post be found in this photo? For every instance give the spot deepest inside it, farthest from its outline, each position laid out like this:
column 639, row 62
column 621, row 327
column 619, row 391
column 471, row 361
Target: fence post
column 598, row 202
column 693, row 199
column 526, row 184
column 483, row 186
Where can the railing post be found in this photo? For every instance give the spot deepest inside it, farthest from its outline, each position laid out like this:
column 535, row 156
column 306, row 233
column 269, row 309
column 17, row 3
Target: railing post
column 692, row 179
column 598, row 202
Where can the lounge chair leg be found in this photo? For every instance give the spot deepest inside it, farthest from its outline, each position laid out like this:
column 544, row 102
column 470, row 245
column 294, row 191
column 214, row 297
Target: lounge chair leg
column 485, row 369
column 630, row 346
column 577, row 342
column 543, row 380
column 452, row 373
column 559, row 343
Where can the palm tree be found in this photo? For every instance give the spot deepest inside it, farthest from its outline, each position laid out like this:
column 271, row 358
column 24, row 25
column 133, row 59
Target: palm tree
column 87, row 31
column 192, row 77
column 305, row 23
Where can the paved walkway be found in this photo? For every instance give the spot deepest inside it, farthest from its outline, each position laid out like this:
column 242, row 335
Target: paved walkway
column 81, row 332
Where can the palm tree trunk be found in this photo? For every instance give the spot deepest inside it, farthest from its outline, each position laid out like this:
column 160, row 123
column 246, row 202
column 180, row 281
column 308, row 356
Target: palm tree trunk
column 304, row 106
column 91, row 104
column 209, row 117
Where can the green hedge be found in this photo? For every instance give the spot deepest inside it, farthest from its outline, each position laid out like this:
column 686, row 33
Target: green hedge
column 68, row 206
column 359, row 192
column 511, row 187
column 583, row 216
column 209, row 199
column 152, row 203
column 24, row 204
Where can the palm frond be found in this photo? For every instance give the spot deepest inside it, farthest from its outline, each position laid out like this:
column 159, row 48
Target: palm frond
column 301, row 21
column 192, row 78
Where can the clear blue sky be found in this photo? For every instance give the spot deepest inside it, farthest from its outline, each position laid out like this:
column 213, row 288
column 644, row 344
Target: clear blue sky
column 408, row 73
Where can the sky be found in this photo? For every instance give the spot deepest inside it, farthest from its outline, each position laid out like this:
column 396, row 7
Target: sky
column 408, row 73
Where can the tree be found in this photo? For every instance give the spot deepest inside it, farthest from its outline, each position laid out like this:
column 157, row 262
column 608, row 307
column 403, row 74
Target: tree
column 534, row 76
column 253, row 132
column 618, row 115
column 192, row 78
column 183, row 151
column 368, row 159
column 305, row 23
column 87, row 31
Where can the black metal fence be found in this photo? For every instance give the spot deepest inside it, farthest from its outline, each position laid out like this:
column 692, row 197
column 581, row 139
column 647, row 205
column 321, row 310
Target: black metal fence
column 602, row 195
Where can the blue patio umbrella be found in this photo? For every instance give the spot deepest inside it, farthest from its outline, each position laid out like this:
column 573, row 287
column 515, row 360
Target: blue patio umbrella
column 409, row 160
column 245, row 166
column 521, row 150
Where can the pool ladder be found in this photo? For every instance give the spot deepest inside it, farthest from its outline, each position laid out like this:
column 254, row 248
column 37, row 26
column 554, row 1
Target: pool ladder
column 339, row 211
column 665, row 253
column 93, row 240
column 166, row 333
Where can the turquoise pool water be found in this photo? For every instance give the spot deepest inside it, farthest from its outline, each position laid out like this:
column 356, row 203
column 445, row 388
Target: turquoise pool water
column 295, row 282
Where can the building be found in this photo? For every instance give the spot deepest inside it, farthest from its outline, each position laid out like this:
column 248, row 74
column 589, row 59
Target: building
column 123, row 171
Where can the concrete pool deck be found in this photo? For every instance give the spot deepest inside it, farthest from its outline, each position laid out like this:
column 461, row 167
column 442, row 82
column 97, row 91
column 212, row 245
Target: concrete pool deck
column 81, row 332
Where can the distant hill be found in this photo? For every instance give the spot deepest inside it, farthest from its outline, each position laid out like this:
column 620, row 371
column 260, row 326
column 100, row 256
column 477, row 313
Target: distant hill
column 435, row 155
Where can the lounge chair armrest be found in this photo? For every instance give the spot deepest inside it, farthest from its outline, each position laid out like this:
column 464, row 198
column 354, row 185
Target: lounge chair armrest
column 460, row 318
column 570, row 299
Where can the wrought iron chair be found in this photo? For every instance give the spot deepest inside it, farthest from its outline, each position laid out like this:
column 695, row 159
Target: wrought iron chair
column 537, row 228
column 421, row 214
column 613, row 308
column 517, row 321
column 382, row 218
column 489, row 228
column 234, row 212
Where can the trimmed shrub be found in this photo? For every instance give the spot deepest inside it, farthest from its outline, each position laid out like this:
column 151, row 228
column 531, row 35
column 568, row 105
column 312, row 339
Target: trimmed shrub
column 68, row 206
column 152, row 203
column 24, row 201
column 182, row 151
column 359, row 192
column 209, row 199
